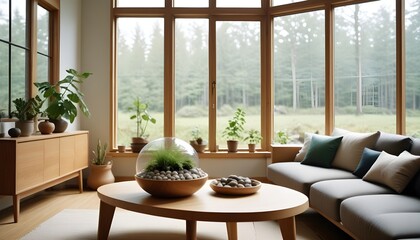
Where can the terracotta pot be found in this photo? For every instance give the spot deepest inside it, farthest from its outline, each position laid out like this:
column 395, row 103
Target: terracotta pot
column 100, row 175
column 198, row 147
column 60, row 125
column 251, row 147
column 137, row 144
column 46, row 127
column 232, row 146
column 26, row 128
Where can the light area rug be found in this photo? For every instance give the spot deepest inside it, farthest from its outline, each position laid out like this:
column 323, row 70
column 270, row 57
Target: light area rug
column 83, row 224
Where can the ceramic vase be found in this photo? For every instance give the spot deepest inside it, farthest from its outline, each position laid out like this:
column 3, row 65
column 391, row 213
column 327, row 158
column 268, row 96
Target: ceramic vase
column 46, row 127
column 100, row 175
column 60, row 125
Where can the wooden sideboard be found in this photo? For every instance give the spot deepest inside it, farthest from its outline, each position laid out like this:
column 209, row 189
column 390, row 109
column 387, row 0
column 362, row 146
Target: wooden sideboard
column 32, row 164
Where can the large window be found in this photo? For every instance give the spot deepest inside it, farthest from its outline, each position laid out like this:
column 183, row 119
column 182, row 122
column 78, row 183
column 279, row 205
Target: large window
column 299, row 74
column 307, row 66
column 22, row 47
column 365, row 66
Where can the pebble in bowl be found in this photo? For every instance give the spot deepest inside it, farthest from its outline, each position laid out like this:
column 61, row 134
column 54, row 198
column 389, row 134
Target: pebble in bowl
column 235, row 185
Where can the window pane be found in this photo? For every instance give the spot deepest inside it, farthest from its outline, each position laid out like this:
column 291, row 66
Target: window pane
column 4, row 77
column 140, row 3
column 299, row 75
column 412, row 36
column 238, row 75
column 139, row 74
column 42, row 68
column 4, row 20
column 189, row 3
column 364, row 88
column 43, row 30
column 238, row 3
column 283, row 2
column 19, row 22
column 19, row 58
column 191, row 78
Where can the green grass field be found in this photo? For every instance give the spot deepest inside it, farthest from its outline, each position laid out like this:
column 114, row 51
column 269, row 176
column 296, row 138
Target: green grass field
column 295, row 125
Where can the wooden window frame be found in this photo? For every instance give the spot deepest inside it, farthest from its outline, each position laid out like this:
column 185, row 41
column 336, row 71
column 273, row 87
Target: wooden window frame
column 265, row 14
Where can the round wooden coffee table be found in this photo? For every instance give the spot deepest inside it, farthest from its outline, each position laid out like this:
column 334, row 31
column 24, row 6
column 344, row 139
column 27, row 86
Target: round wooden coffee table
column 271, row 202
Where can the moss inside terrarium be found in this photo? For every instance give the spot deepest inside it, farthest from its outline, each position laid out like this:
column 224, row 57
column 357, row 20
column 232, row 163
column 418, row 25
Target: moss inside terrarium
column 169, row 159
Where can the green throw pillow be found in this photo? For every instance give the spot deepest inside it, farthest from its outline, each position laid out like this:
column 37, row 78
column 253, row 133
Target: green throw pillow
column 322, row 150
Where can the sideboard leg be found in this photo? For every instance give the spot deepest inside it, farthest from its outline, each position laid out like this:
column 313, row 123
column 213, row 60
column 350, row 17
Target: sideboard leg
column 16, row 207
column 80, row 181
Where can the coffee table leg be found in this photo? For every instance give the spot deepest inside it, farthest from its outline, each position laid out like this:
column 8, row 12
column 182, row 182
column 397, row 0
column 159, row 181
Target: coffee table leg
column 191, row 230
column 232, row 230
column 106, row 214
column 288, row 228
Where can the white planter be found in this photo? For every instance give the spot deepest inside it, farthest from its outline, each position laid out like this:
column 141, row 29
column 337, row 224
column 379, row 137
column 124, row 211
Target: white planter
column 5, row 126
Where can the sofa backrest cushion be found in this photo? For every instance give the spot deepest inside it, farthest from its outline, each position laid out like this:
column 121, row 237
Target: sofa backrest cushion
column 415, row 147
column 393, row 143
column 322, row 150
column 393, row 171
column 369, row 157
column 351, row 148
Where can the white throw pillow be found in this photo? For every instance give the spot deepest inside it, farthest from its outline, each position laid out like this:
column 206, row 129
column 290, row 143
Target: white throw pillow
column 394, row 171
column 306, row 144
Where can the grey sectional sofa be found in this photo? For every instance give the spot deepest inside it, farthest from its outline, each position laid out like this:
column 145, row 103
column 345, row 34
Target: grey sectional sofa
column 367, row 205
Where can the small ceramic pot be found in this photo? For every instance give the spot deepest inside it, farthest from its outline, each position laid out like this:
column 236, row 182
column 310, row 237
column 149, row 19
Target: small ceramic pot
column 46, row 127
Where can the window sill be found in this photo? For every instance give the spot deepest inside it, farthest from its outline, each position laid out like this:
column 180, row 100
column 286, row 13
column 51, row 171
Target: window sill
column 212, row 155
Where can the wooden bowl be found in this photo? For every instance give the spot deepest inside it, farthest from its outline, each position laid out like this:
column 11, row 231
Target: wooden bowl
column 171, row 189
column 236, row 191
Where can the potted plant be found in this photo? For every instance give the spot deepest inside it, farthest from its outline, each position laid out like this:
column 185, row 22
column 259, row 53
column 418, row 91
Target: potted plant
column 253, row 137
column 100, row 169
column 170, row 170
column 64, row 98
column 233, row 132
column 197, row 141
column 142, row 118
column 26, row 111
column 281, row 137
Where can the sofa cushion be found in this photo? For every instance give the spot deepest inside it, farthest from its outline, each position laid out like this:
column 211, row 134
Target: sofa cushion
column 306, row 144
column 351, row 148
column 393, row 143
column 369, row 156
column 415, row 147
column 394, row 171
column 361, row 215
column 326, row 196
column 300, row 177
column 322, row 150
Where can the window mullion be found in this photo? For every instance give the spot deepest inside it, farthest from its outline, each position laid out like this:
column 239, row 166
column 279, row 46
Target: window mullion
column 212, row 85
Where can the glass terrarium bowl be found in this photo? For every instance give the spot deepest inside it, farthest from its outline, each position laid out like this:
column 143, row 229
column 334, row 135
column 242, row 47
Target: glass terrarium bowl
column 168, row 167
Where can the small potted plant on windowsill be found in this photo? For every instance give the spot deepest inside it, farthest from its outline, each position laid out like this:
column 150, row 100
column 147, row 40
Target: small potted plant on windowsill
column 197, row 141
column 253, row 137
column 64, row 97
column 100, row 169
column 233, row 132
column 26, row 111
column 142, row 118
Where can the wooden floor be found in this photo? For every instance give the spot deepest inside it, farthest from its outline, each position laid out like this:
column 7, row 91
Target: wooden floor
column 41, row 207
column 46, row 204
